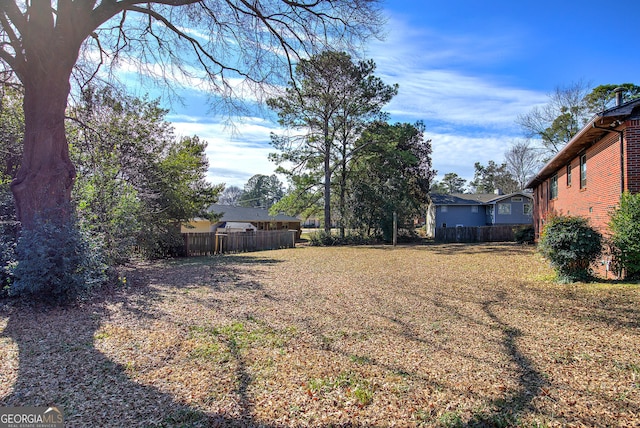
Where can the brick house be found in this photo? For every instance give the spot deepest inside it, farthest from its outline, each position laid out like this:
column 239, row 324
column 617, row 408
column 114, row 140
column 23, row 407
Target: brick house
column 588, row 175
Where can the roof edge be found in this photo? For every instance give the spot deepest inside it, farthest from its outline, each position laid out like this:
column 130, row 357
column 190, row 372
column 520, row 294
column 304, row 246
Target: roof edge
column 552, row 166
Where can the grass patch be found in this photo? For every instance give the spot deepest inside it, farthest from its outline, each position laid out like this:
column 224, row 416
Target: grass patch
column 348, row 384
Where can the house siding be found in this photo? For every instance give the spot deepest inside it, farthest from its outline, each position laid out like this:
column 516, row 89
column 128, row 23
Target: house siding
column 517, row 215
column 461, row 214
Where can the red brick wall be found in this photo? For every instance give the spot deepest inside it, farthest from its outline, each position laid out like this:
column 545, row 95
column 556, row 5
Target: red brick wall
column 602, row 191
column 632, row 149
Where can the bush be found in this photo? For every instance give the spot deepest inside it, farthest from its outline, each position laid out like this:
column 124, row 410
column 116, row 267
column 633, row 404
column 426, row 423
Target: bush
column 524, row 235
column 56, row 264
column 325, row 239
column 625, row 238
column 322, row 238
column 8, row 238
column 571, row 245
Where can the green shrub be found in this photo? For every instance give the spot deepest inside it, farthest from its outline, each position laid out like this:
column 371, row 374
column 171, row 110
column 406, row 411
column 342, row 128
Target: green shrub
column 571, row 245
column 8, row 238
column 625, row 237
column 56, row 263
column 524, row 235
column 324, row 239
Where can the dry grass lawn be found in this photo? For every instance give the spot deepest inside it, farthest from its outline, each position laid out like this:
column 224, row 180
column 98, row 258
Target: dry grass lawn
column 437, row 335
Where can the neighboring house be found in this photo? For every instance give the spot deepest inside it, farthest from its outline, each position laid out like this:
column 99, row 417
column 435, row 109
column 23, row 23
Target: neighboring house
column 588, row 175
column 258, row 217
column 472, row 210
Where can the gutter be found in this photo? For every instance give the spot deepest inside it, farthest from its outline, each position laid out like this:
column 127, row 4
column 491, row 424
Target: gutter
column 569, row 146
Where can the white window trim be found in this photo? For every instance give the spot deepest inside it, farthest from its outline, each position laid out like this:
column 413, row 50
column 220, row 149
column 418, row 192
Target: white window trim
column 506, row 204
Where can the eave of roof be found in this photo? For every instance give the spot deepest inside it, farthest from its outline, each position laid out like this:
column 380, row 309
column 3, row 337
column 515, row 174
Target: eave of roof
column 246, row 214
column 472, row 198
column 498, row 198
column 585, row 138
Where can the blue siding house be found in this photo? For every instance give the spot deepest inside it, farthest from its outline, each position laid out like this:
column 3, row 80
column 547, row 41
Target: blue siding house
column 472, row 210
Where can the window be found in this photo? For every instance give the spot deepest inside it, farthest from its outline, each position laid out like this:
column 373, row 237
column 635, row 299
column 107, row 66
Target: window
column 569, row 175
column 504, row 209
column 553, row 187
column 527, row 209
column 474, row 208
column 583, row 171
column 444, row 209
column 516, row 199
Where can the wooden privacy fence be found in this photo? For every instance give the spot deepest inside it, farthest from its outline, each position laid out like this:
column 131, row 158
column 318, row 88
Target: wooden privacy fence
column 475, row 234
column 204, row 244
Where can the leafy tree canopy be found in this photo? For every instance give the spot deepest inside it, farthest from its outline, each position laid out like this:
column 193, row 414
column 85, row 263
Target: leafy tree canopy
column 393, row 174
column 450, row 183
column 569, row 109
column 262, row 191
column 493, row 177
column 329, row 104
column 136, row 181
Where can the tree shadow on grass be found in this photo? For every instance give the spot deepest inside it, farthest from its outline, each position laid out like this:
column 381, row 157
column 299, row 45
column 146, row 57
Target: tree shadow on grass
column 502, row 248
column 58, row 364
column 612, row 303
column 507, row 410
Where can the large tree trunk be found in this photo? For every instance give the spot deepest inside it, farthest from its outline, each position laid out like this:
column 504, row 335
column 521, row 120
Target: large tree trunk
column 327, row 179
column 343, row 194
column 42, row 186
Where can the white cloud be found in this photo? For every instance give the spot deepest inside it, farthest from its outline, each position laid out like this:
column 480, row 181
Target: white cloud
column 235, row 153
column 458, row 153
column 435, row 83
column 447, row 81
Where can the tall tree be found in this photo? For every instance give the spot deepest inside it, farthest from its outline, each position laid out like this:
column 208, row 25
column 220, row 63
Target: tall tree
column 567, row 111
column 450, row 183
column 44, row 43
column 363, row 104
column 560, row 119
column 262, row 191
column 332, row 100
column 230, row 195
column 493, row 177
column 393, row 174
column 600, row 97
column 523, row 161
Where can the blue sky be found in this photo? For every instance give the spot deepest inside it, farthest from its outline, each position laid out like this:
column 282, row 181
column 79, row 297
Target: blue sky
column 465, row 68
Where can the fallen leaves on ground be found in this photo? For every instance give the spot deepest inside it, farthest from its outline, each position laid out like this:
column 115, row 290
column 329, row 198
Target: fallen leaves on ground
column 435, row 335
